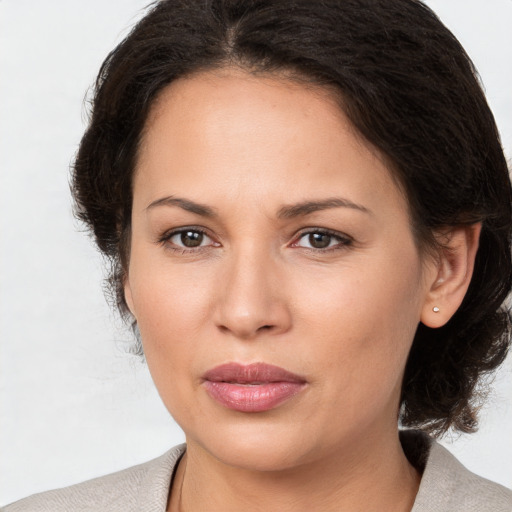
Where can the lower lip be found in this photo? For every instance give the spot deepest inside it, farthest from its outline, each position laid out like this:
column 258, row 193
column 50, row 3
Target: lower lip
column 252, row 398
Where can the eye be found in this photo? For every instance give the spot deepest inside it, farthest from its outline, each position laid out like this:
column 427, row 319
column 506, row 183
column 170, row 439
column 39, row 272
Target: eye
column 321, row 239
column 187, row 238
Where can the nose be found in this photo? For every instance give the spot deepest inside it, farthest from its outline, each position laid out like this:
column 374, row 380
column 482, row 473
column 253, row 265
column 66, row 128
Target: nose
column 252, row 298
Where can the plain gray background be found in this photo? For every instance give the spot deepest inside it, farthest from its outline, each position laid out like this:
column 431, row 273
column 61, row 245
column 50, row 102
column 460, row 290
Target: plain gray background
column 74, row 405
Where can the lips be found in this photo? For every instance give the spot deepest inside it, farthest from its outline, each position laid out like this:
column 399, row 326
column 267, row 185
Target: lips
column 256, row 387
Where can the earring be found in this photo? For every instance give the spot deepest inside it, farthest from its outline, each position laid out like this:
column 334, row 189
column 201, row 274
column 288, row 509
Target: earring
column 435, row 309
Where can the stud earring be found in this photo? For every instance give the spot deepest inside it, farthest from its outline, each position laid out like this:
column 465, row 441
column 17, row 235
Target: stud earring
column 435, row 309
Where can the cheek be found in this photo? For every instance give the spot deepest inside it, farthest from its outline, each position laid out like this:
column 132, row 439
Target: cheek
column 362, row 321
column 171, row 313
column 172, row 306
column 170, row 318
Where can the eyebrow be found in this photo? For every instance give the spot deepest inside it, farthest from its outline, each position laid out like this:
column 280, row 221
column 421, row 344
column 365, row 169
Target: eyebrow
column 307, row 207
column 285, row 212
column 185, row 204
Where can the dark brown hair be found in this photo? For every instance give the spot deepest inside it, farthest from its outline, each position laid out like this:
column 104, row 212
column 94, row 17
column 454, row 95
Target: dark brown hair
column 407, row 86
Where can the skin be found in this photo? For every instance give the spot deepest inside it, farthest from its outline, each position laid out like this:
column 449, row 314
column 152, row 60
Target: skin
column 255, row 290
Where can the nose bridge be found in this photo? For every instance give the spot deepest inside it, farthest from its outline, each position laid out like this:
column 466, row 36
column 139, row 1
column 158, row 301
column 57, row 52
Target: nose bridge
column 252, row 299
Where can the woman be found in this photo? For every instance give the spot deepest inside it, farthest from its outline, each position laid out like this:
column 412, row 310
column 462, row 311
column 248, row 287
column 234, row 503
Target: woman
column 308, row 212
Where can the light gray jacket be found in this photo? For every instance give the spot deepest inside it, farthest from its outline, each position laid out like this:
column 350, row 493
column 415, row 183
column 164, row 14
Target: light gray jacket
column 446, row 486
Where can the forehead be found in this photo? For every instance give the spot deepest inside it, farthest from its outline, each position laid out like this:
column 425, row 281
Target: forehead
column 231, row 87
column 228, row 132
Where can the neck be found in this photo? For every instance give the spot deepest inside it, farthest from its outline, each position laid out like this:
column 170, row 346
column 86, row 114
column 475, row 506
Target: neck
column 372, row 475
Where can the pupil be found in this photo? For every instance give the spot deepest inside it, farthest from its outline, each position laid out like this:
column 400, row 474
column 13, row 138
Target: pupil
column 319, row 240
column 191, row 238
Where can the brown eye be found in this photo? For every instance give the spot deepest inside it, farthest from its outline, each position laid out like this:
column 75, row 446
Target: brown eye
column 191, row 238
column 319, row 240
column 322, row 240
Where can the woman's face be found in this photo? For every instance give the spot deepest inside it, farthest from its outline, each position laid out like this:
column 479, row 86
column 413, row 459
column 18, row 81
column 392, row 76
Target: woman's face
column 266, row 231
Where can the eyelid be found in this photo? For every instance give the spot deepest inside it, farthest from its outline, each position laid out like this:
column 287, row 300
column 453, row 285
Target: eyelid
column 165, row 238
column 344, row 239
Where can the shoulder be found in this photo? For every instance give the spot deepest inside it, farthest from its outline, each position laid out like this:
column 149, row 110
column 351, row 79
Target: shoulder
column 125, row 490
column 447, row 486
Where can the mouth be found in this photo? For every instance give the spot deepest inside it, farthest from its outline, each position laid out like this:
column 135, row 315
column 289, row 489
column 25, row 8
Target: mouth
column 256, row 387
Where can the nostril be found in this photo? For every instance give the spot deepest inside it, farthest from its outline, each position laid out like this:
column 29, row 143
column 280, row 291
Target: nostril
column 265, row 327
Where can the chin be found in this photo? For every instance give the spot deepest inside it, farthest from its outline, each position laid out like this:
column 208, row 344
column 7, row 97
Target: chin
column 257, row 448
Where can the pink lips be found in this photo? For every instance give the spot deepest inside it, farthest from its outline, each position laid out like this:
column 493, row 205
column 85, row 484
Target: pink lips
column 251, row 388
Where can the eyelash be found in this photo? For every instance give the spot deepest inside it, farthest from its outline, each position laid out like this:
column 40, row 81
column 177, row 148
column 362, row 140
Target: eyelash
column 166, row 237
column 343, row 240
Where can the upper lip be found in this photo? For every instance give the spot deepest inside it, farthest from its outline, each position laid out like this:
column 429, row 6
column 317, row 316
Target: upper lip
column 255, row 373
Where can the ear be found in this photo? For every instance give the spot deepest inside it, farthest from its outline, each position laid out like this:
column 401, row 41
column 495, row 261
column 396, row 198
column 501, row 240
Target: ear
column 128, row 295
column 451, row 274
